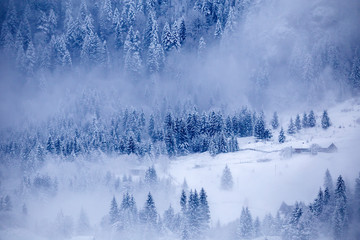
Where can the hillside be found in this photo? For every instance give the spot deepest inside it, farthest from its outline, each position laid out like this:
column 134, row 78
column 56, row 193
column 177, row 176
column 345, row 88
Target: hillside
column 263, row 180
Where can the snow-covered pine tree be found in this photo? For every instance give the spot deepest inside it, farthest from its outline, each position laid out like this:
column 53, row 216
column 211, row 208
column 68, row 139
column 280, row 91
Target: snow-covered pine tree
column 61, row 56
column 183, row 203
column 106, row 19
column 175, row 36
column 201, row 49
column 150, row 213
column 11, row 18
column 52, row 23
column 260, row 131
column 170, row 144
column 133, row 62
column 25, row 30
column 182, row 32
column 312, row 119
column 298, row 122
column 355, row 71
column 166, row 38
column 257, row 228
column 128, row 211
column 83, row 224
column 305, row 121
column 218, row 30
column 357, row 199
column 275, row 121
column 291, row 229
column 155, row 56
column 230, row 24
column 30, row 59
column 193, row 218
column 7, row 41
column 169, row 219
column 291, row 128
column 340, row 217
column 281, row 137
column 245, row 226
column 328, row 182
column 233, row 144
column 325, row 120
column 227, row 179
column 151, row 176
column 317, row 206
column 114, row 211
column 268, row 225
column 204, row 212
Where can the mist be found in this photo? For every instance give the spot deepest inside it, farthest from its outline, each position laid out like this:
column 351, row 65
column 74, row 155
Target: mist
column 188, row 119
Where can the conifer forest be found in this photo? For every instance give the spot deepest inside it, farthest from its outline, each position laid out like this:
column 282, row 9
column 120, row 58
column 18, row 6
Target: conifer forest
column 179, row 119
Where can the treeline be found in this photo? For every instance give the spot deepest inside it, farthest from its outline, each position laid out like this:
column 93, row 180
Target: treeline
column 334, row 214
column 132, row 132
column 192, row 222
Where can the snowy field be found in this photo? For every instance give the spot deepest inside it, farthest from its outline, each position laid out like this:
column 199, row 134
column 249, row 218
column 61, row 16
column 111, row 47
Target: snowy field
column 263, row 180
column 264, row 175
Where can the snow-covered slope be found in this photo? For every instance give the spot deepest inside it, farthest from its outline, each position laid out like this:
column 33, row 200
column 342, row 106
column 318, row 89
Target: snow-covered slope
column 265, row 178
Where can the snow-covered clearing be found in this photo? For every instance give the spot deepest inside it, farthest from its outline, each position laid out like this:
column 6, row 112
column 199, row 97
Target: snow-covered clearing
column 263, row 180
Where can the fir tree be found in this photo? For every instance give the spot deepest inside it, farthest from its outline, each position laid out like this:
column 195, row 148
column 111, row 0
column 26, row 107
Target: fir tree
column 150, row 212
column 25, row 31
column 61, row 56
column 182, row 32
column 218, row 30
column 260, row 131
column 312, row 120
column 230, row 24
column 169, row 219
column 325, row 120
column 298, row 122
column 204, row 211
column 305, row 121
column 183, row 203
column 175, row 36
column 275, row 121
column 155, row 57
column 355, row 71
column 166, row 37
column 257, row 228
column 114, row 212
column 245, row 227
column 328, row 182
column 317, row 206
column 133, row 62
column 292, row 128
column 11, row 18
column 357, row 199
column 193, row 215
column 291, row 229
column 30, row 59
column 170, row 144
column 52, row 23
column 340, row 218
column 106, row 19
column 282, row 137
column 227, row 179
column 83, row 224
column 151, row 176
column 201, row 49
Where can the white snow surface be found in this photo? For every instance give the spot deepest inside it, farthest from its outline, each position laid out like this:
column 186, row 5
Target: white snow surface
column 262, row 180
